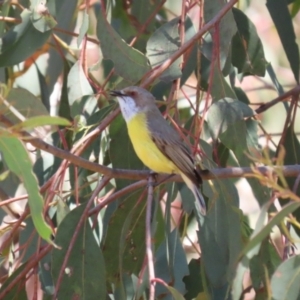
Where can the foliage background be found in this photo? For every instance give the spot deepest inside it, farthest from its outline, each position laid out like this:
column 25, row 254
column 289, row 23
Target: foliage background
column 79, row 218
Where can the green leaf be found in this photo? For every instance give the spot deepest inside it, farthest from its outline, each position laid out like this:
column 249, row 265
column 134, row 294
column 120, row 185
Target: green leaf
column 295, row 8
column 193, row 282
column 226, row 121
column 226, row 29
column 42, row 83
column 285, row 281
column 41, row 17
column 81, row 96
column 279, row 88
column 220, row 235
column 85, row 274
column 291, row 146
column 141, row 10
column 279, row 12
column 217, row 85
column 262, row 193
column 175, row 294
column 129, row 63
column 21, row 42
column 24, row 103
column 122, row 248
column 262, row 231
column 18, row 161
column 18, row 292
column 29, row 234
column 163, row 43
column 267, row 259
column 241, row 95
column 224, row 113
column 238, row 282
column 83, row 28
column 171, row 269
column 41, row 121
column 64, row 105
column 78, row 85
column 247, row 49
column 5, row 6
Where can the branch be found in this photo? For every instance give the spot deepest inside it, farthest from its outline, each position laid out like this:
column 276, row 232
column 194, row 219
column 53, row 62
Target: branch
column 157, row 72
column 151, row 272
column 288, row 171
column 264, row 107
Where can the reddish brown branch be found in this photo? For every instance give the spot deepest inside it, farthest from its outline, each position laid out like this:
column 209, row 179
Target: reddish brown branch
column 155, row 73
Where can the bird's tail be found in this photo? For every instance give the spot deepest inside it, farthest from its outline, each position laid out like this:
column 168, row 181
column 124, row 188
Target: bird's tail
column 197, row 194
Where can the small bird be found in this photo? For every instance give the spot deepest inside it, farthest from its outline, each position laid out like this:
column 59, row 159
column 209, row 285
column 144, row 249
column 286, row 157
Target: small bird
column 155, row 142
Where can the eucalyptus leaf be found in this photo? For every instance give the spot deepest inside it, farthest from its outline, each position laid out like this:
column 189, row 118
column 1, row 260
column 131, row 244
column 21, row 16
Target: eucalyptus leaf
column 21, row 41
column 129, row 63
column 18, row 161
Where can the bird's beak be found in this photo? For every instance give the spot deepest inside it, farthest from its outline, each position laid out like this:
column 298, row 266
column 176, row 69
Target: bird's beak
column 116, row 93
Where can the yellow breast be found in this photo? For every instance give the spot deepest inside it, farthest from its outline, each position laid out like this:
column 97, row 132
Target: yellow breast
column 145, row 148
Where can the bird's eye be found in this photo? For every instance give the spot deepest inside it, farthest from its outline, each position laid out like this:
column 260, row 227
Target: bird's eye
column 131, row 93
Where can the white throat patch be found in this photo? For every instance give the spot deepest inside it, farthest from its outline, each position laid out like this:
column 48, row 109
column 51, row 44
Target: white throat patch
column 128, row 107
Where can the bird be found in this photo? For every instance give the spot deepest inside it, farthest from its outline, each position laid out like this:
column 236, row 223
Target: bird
column 157, row 144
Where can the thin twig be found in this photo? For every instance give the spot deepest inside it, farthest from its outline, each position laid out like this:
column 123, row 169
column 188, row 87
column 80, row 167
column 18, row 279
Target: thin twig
column 117, row 195
column 283, row 97
column 149, row 252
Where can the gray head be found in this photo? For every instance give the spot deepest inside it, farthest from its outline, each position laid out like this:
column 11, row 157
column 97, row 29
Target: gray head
column 133, row 100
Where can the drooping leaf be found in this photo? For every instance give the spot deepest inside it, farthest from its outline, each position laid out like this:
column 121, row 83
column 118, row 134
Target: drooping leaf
column 25, row 103
column 4, row 13
column 266, row 259
column 21, row 41
column 291, row 146
column 164, row 42
column 279, row 12
column 295, row 8
column 78, row 85
column 18, row 161
column 129, row 63
column 247, row 50
column 285, row 281
column 85, row 273
column 83, row 28
column 80, row 93
column 19, row 290
column 221, row 34
column 41, row 17
column 193, row 282
column 213, row 80
column 224, row 113
column 171, row 269
column 122, row 250
column 162, row 45
column 237, row 285
column 220, row 235
column 141, row 10
column 41, row 121
column 262, row 231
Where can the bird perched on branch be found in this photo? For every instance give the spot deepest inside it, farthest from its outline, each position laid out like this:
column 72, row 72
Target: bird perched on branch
column 155, row 142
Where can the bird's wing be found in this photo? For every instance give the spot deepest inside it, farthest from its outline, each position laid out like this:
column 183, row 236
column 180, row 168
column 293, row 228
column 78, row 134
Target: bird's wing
column 169, row 143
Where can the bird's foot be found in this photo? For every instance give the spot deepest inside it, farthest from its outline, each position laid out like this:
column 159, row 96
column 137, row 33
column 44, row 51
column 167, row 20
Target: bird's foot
column 152, row 179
